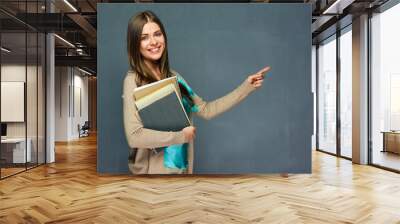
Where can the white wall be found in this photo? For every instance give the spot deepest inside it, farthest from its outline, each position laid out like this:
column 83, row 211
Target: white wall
column 62, row 81
column 71, row 93
column 314, row 91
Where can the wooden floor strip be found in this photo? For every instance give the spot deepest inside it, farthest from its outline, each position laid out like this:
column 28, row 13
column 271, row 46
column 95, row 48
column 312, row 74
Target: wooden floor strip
column 70, row 191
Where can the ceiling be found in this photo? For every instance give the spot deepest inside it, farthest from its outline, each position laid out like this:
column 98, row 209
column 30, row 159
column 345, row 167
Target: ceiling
column 77, row 23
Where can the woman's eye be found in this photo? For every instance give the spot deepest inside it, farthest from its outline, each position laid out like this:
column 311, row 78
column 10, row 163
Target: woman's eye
column 144, row 37
column 158, row 34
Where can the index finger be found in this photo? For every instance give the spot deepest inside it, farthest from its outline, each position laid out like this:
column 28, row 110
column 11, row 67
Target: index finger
column 264, row 70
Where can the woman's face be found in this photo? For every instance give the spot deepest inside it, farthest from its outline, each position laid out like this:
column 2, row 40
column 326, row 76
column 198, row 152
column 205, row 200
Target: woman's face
column 152, row 42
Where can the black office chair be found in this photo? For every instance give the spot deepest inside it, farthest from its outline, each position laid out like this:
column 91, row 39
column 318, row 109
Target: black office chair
column 84, row 130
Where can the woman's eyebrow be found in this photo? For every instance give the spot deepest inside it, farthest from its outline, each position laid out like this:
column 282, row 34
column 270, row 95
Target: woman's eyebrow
column 143, row 34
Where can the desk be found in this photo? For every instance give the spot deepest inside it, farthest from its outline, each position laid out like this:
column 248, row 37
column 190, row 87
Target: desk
column 391, row 141
column 13, row 150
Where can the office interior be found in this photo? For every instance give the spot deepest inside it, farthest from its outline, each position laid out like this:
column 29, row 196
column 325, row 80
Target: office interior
column 48, row 80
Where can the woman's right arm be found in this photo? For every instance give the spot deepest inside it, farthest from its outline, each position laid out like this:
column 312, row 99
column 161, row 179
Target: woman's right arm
column 138, row 136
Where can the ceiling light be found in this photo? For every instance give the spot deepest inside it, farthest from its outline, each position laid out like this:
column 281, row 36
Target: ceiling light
column 65, row 41
column 335, row 7
column 86, row 72
column 70, row 5
column 331, row 7
column 5, row 49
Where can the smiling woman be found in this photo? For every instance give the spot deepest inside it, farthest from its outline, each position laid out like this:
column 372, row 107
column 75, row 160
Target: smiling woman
column 165, row 152
column 152, row 44
column 147, row 51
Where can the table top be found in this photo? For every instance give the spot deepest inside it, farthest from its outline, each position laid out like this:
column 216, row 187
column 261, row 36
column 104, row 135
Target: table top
column 391, row 132
column 13, row 140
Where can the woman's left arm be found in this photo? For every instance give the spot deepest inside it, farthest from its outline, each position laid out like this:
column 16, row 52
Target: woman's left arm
column 209, row 110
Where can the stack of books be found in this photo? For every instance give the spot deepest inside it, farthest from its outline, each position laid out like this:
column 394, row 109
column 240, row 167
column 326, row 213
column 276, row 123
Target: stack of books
column 160, row 106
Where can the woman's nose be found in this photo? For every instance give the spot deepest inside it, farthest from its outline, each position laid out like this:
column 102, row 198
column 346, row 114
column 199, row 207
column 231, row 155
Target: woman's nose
column 152, row 40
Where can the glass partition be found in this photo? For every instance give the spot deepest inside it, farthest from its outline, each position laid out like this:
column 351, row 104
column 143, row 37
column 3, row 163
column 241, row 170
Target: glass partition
column 22, row 88
column 327, row 95
column 13, row 105
column 31, row 100
column 385, row 89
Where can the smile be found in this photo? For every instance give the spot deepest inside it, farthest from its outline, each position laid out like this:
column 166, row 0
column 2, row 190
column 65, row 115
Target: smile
column 154, row 50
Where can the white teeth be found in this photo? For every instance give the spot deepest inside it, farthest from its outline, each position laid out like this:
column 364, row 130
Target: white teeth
column 154, row 50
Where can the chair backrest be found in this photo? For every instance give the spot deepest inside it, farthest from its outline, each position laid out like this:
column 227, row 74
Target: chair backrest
column 86, row 125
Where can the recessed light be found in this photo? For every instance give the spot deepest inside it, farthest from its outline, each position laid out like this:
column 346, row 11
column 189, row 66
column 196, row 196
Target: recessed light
column 70, row 5
column 86, row 72
column 5, row 50
column 64, row 40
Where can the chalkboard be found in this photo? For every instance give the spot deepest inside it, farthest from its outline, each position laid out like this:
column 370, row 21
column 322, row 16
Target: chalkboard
column 215, row 47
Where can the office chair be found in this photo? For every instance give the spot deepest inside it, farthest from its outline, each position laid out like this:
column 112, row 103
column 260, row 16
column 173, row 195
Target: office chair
column 84, row 130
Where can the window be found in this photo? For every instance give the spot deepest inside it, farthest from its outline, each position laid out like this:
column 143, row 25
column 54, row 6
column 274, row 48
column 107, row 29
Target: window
column 385, row 88
column 346, row 92
column 327, row 95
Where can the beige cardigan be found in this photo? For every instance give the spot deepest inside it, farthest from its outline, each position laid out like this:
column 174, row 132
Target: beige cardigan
column 149, row 161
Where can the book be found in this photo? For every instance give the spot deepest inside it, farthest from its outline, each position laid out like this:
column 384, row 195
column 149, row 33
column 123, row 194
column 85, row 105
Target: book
column 160, row 106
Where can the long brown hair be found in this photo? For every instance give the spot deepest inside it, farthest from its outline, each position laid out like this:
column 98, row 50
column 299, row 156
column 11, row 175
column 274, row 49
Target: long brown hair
column 136, row 62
